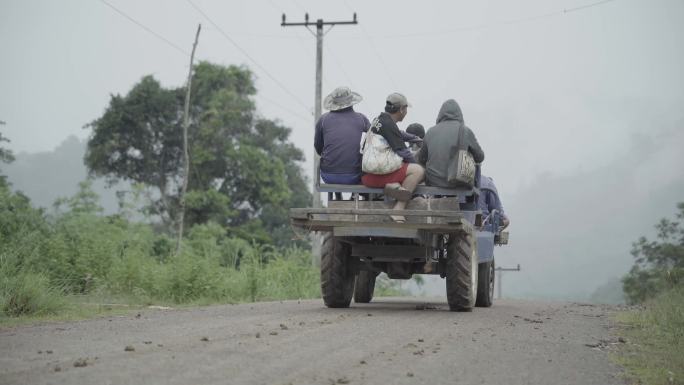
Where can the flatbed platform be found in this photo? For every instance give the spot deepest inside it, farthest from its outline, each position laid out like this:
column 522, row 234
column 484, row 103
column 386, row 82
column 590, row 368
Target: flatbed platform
column 420, row 190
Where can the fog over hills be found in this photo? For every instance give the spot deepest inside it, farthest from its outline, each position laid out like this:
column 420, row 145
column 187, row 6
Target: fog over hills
column 572, row 233
column 46, row 176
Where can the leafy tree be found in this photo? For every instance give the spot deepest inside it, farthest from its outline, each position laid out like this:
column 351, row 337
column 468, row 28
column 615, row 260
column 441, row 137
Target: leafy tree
column 243, row 169
column 273, row 137
column 137, row 139
column 659, row 264
column 6, row 155
column 85, row 201
column 20, row 223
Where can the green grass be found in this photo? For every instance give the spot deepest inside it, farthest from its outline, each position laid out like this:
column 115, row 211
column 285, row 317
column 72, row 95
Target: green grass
column 77, row 307
column 27, row 293
column 654, row 352
column 137, row 282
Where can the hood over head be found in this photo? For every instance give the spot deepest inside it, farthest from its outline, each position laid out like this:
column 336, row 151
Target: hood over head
column 487, row 183
column 450, row 111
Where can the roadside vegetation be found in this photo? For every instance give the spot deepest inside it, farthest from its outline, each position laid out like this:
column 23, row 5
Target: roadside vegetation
column 238, row 246
column 73, row 260
column 654, row 352
column 50, row 263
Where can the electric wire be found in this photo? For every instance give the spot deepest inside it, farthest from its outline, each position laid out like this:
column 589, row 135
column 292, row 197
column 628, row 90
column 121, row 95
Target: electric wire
column 581, row 7
column 504, row 22
column 179, row 49
column 374, row 48
column 299, row 37
column 301, row 116
column 336, row 59
column 248, row 56
column 150, row 31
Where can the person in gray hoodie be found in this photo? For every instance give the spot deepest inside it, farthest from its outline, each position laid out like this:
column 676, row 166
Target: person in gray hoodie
column 441, row 144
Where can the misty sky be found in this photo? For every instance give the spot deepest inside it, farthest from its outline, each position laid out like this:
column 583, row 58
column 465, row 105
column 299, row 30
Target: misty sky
column 555, row 93
column 549, row 94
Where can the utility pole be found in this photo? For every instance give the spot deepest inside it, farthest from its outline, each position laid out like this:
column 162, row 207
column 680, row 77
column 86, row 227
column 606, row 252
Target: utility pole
column 186, row 155
column 315, row 240
column 500, row 271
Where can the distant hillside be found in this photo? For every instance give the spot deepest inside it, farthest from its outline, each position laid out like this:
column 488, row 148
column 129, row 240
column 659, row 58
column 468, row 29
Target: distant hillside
column 46, row 176
column 573, row 233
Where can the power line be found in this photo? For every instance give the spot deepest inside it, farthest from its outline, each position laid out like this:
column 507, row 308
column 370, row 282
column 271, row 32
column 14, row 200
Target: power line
column 581, row 7
column 505, row 22
column 335, row 58
column 299, row 37
column 301, row 116
column 275, row 80
column 141, row 25
column 337, row 61
column 149, row 30
column 374, row 48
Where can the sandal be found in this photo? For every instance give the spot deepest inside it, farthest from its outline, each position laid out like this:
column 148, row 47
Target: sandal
column 396, row 191
column 398, row 218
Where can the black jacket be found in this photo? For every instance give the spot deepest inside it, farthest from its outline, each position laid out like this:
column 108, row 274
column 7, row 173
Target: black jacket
column 441, row 144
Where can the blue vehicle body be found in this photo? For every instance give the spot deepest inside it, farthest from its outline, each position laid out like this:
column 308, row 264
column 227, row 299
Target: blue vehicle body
column 488, row 236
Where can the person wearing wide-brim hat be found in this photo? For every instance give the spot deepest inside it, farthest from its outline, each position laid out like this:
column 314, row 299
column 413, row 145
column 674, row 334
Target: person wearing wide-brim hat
column 338, row 136
column 341, row 98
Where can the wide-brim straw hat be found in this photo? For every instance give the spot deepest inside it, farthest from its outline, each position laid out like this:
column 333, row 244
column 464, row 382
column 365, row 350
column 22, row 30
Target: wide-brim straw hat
column 341, row 98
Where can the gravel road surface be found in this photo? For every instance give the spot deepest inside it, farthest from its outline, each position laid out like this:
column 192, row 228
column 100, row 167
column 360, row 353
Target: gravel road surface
column 389, row 341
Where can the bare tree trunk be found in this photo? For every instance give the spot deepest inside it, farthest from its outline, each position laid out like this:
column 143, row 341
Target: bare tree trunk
column 186, row 155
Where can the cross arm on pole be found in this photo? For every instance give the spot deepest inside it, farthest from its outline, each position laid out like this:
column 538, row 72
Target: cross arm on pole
column 307, row 23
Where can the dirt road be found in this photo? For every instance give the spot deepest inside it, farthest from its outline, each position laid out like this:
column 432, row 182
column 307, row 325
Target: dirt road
column 390, row 341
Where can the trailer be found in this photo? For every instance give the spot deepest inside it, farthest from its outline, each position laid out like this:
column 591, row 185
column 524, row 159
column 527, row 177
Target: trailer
column 444, row 234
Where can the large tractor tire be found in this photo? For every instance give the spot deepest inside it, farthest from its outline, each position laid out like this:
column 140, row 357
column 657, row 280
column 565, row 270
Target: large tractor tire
column 485, row 284
column 337, row 284
column 365, row 285
column 461, row 272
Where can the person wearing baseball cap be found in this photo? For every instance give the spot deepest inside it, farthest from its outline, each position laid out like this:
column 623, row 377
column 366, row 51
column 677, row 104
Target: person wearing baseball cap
column 400, row 183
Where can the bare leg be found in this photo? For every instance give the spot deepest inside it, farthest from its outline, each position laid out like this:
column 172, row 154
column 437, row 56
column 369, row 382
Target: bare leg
column 414, row 175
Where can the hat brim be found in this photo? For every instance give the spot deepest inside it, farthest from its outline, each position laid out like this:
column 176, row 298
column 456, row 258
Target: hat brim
column 329, row 104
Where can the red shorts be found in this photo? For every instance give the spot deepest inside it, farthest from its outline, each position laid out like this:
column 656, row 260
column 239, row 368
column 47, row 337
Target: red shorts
column 379, row 181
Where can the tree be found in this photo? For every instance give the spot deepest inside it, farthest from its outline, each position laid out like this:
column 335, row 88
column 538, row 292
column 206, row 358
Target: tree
column 242, row 166
column 273, row 137
column 659, row 264
column 85, row 201
column 6, row 156
column 137, row 139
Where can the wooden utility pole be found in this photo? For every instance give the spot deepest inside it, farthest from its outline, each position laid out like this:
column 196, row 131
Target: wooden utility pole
column 500, row 271
column 315, row 240
column 186, row 154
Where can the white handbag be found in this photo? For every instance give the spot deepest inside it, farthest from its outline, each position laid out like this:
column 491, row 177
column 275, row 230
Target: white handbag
column 378, row 157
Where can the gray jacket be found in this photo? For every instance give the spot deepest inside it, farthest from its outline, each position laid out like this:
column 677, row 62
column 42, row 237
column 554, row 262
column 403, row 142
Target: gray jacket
column 441, row 144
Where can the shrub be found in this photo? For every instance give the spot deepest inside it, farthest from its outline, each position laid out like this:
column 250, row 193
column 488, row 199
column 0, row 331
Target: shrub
column 659, row 264
column 79, row 251
column 27, row 293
